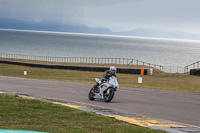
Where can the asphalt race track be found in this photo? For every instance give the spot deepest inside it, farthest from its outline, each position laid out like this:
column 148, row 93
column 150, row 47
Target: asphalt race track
column 169, row 105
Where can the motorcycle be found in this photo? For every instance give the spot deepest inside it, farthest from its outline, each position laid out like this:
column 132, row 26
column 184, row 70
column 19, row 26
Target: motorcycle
column 104, row 91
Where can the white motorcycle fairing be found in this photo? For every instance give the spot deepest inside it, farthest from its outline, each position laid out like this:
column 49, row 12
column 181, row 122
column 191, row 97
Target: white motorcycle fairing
column 112, row 83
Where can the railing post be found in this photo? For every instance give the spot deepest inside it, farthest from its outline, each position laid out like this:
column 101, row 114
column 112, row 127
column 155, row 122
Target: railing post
column 83, row 59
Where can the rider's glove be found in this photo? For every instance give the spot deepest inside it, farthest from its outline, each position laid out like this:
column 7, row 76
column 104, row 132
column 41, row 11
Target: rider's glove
column 99, row 82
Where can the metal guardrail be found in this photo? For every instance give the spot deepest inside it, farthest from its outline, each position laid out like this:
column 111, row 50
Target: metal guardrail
column 173, row 69
column 195, row 65
column 95, row 60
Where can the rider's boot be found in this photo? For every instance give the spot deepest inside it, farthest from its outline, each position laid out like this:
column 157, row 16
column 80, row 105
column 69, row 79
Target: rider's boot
column 96, row 85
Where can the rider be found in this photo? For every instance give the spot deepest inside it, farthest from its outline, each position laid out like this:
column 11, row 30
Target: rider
column 107, row 74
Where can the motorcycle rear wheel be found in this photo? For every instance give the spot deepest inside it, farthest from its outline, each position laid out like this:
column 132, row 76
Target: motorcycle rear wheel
column 109, row 97
column 90, row 95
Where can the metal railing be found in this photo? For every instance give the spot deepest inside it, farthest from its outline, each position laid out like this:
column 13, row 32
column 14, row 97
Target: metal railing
column 94, row 60
column 174, row 69
column 195, row 65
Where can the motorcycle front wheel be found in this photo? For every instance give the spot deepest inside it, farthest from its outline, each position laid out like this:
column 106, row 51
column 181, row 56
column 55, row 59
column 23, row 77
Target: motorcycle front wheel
column 91, row 94
column 109, row 97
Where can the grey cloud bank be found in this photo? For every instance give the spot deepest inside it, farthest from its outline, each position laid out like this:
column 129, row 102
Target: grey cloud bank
column 86, row 16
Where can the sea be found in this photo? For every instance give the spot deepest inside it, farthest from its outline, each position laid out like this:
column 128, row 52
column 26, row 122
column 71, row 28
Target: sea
column 171, row 53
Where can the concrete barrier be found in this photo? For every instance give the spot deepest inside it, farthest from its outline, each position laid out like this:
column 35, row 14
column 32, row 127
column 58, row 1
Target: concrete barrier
column 195, row 72
column 145, row 71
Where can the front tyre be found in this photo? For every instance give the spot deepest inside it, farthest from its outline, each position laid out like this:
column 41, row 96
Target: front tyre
column 91, row 94
column 109, row 97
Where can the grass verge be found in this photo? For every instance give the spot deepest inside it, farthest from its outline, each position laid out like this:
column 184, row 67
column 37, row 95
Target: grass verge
column 159, row 80
column 24, row 114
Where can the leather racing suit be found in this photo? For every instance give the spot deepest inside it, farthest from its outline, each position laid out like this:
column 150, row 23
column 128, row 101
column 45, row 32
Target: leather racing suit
column 107, row 74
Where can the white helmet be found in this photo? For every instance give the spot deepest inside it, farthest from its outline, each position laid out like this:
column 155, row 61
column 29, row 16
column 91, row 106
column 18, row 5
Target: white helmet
column 113, row 69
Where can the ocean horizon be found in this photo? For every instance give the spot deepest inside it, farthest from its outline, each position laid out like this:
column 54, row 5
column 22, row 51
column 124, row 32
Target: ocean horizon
column 105, row 35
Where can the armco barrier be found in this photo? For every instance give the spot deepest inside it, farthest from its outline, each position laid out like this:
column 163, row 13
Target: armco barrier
column 195, row 72
column 145, row 71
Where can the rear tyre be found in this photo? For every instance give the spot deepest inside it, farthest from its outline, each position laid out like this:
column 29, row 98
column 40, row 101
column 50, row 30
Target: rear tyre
column 91, row 94
column 109, row 97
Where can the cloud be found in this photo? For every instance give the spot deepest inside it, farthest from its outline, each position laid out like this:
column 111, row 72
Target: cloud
column 171, row 14
column 115, row 14
column 54, row 10
column 70, row 10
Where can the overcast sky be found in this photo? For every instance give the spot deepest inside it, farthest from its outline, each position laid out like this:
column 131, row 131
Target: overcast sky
column 117, row 15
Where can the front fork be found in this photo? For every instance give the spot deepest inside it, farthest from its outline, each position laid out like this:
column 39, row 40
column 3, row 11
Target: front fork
column 108, row 92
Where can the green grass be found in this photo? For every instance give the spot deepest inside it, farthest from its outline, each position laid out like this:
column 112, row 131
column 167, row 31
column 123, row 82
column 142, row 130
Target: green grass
column 159, row 80
column 22, row 114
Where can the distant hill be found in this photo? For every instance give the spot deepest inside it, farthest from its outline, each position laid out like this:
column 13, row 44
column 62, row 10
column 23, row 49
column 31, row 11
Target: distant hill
column 146, row 32
column 49, row 26
column 80, row 28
